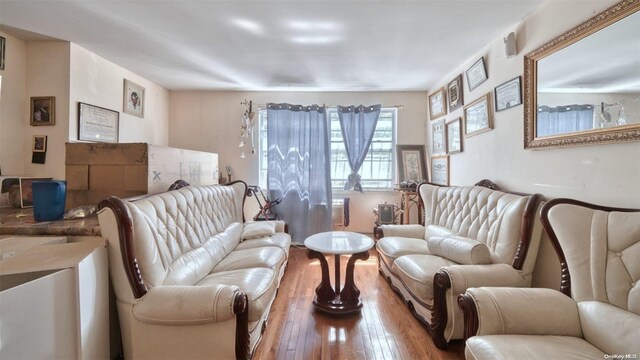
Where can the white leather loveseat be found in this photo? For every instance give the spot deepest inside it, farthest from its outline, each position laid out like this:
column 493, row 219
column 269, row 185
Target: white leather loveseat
column 596, row 315
column 473, row 236
column 186, row 284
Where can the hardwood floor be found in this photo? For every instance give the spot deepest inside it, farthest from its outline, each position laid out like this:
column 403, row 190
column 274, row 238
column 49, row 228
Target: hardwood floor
column 385, row 328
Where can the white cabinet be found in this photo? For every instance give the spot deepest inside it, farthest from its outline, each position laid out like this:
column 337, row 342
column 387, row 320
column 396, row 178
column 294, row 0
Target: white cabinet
column 53, row 299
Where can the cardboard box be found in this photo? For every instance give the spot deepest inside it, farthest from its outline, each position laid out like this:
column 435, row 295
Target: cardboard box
column 95, row 171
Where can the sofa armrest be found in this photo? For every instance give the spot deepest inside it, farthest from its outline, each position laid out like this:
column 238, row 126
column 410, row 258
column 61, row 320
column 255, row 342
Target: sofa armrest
column 187, row 305
column 519, row 311
column 463, row 277
column 408, row 231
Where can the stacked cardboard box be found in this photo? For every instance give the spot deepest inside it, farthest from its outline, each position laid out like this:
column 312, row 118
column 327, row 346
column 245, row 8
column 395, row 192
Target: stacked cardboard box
column 95, row 171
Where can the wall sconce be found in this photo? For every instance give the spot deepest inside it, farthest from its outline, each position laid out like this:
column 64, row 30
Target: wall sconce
column 248, row 122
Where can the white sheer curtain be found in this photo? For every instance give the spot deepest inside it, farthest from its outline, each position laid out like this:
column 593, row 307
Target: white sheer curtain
column 358, row 123
column 299, row 167
column 563, row 119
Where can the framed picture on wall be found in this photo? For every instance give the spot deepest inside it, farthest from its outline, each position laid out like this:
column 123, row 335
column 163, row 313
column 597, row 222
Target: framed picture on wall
column 39, row 143
column 411, row 162
column 508, row 94
column 478, row 116
column 440, row 170
column 133, row 101
column 97, row 124
column 3, row 42
column 455, row 93
column 43, row 111
column 453, row 130
column 476, row 74
column 438, row 139
column 437, row 104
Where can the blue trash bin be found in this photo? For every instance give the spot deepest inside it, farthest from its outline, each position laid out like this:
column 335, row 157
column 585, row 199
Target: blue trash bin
column 49, row 197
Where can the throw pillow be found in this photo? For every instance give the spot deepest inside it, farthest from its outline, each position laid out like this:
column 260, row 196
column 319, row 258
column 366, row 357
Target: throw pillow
column 258, row 229
column 460, row 249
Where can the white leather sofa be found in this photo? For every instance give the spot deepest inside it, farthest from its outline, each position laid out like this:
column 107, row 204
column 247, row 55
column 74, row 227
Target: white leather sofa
column 186, row 285
column 597, row 313
column 473, row 236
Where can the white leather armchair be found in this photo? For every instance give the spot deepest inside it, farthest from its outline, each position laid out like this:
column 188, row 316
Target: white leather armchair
column 473, row 236
column 597, row 314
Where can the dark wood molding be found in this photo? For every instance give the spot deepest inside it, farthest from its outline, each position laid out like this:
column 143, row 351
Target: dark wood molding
column 565, row 281
column 244, row 197
column 243, row 337
column 125, row 233
column 439, row 317
column 179, row 184
column 471, row 320
column 526, row 230
column 488, row 184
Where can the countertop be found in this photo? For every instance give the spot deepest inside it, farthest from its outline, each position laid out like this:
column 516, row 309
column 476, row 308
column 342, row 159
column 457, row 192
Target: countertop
column 20, row 222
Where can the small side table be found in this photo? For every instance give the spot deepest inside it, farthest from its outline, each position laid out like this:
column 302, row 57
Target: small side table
column 408, row 200
column 338, row 301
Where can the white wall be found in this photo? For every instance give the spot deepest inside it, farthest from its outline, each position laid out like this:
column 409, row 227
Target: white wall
column 602, row 174
column 13, row 119
column 48, row 75
column 210, row 121
column 99, row 82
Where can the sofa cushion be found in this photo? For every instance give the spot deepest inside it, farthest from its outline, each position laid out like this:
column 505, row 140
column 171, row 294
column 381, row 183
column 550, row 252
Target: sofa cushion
column 460, row 249
column 258, row 229
column 267, row 257
column 507, row 347
column 259, row 284
column 281, row 240
column 417, row 271
column 390, row 248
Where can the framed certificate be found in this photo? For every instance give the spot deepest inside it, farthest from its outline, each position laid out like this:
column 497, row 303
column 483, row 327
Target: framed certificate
column 508, row 94
column 97, row 124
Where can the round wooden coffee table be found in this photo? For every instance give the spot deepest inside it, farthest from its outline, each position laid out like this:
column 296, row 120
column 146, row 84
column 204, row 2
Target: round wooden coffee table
column 336, row 301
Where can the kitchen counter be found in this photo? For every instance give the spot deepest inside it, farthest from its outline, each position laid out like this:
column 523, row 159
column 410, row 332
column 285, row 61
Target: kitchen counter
column 20, row 222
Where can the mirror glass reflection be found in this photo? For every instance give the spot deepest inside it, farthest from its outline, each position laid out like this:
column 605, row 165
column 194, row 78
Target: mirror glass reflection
column 592, row 84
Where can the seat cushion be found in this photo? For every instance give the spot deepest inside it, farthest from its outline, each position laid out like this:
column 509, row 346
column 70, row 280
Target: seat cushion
column 259, row 284
column 392, row 247
column 417, row 271
column 522, row 347
column 267, row 257
column 281, row 240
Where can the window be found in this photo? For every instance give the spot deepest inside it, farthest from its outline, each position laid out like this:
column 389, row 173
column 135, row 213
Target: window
column 376, row 171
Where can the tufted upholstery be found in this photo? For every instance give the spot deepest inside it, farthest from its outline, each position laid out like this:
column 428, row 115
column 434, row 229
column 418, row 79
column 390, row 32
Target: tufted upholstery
column 471, row 225
column 599, row 250
column 177, row 260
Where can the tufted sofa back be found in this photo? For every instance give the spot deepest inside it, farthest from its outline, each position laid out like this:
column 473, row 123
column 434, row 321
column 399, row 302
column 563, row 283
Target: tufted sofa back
column 492, row 217
column 599, row 250
column 177, row 237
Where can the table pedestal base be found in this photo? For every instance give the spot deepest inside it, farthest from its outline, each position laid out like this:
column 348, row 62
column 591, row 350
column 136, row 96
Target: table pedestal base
column 336, row 301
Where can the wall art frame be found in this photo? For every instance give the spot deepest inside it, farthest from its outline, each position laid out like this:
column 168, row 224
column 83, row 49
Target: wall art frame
column 98, row 124
column 133, row 101
column 437, row 104
column 438, row 137
column 440, row 170
column 453, row 130
column 508, row 94
column 411, row 162
column 476, row 74
column 478, row 116
column 455, row 94
column 43, row 111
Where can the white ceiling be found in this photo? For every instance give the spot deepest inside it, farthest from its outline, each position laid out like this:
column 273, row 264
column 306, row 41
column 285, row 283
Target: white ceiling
column 276, row 45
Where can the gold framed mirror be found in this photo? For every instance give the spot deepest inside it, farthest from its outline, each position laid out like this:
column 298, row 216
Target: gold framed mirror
column 583, row 87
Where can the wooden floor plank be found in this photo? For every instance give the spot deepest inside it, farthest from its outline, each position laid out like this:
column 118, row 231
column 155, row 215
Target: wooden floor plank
column 384, row 329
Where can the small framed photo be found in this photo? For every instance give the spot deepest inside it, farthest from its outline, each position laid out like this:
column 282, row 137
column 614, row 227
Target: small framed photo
column 508, row 94
column 411, row 162
column 3, row 47
column 455, row 93
column 440, row 170
column 454, row 136
column 438, row 140
column 437, row 104
column 97, row 123
column 133, row 101
column 43, row 111
column 26, row 191
column 476, row 74
column 39, row 143
column 478, row 116
column 386, row 213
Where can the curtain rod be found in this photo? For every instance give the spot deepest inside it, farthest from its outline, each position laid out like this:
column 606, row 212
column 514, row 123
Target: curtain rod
column 246, row 103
